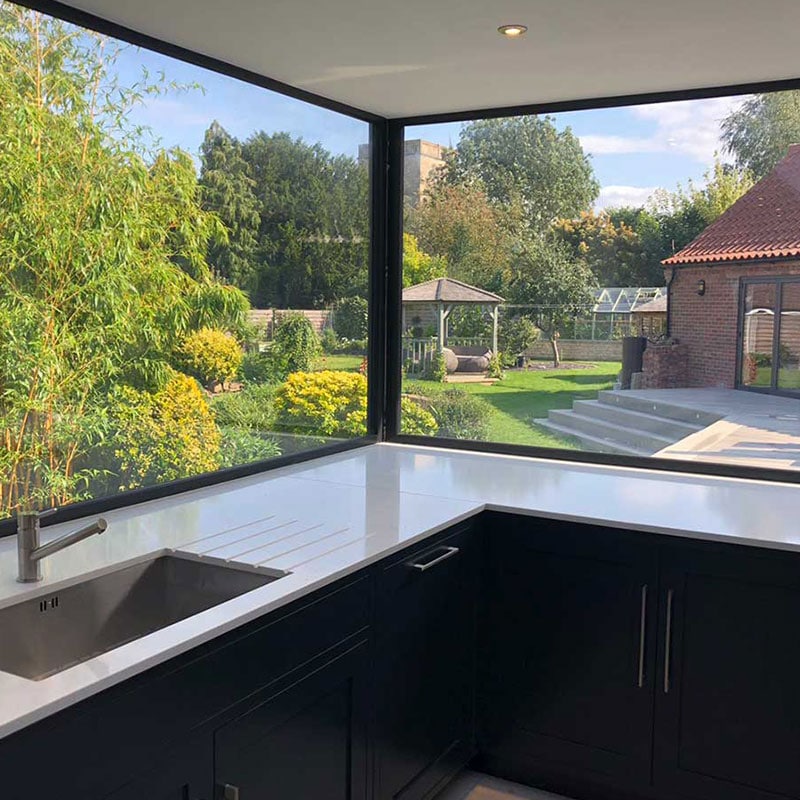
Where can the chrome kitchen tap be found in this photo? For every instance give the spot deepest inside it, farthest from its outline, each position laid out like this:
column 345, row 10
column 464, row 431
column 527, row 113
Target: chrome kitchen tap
column 30, row 552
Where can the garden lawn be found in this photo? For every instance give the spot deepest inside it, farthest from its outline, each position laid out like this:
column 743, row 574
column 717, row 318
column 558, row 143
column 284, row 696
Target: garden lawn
column 339, row 363
column 523, row 396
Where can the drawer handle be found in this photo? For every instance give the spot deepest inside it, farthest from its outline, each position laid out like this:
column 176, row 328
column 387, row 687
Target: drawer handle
column 668, row 642
column 449, row 553
column 642, row 635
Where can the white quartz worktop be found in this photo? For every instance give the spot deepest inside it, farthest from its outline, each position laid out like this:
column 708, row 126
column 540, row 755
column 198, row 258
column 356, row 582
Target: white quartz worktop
column 324, row 519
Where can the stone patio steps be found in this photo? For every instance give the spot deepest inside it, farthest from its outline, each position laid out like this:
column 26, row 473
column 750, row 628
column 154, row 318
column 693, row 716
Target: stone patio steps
column 594, row 444
column 658, row 408
column 672, row 429
column 626, row 425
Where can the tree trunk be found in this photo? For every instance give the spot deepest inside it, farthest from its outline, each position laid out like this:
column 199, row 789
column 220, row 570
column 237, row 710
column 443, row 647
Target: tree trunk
column 556, row 354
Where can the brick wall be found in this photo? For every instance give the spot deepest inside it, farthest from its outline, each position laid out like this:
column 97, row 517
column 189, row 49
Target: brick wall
column 709, row 324
column 665, row 366
column 578, row 350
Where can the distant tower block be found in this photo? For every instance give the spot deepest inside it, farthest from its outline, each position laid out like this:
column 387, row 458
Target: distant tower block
column 421, row 158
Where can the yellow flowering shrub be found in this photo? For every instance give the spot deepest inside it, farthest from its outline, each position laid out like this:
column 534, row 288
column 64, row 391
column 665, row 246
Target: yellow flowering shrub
column 212, row 356
column 324, row 403
column 163, row 436
column 334, row 404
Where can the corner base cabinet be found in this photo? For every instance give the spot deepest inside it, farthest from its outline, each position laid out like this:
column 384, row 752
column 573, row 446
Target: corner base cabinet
column 567, row 650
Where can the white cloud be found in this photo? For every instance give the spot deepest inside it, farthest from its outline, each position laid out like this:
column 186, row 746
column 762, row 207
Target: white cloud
column 688, row 127
column 612, row 145
column 616, row 196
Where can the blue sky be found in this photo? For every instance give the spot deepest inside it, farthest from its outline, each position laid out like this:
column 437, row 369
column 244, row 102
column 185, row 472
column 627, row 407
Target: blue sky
column 633, row 150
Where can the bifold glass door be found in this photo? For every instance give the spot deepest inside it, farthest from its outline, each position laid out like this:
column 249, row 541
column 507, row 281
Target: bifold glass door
column 770, row 335
column 789, row 338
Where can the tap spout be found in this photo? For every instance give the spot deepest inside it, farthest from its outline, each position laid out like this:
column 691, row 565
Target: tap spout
column 94, row 528
column 30, row 552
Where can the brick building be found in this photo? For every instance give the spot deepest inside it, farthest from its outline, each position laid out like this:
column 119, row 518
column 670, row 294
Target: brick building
column 734, row 292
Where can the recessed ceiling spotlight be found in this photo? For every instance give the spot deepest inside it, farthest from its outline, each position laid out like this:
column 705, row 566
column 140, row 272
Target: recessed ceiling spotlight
column 512, row 31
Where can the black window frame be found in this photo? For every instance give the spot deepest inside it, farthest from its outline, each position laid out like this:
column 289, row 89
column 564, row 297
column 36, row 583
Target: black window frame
column 395, row 260
column 385, row 274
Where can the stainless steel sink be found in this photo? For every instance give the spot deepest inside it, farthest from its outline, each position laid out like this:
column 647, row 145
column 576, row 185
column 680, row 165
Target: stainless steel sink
column 53, row 631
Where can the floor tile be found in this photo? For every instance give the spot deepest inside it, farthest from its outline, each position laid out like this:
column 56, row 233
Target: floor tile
column 475, row 786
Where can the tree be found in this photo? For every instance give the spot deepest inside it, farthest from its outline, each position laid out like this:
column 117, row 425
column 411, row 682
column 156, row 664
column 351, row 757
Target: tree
column 553, row 285
column 459, row 225
column 684, row 214
column 612, row 249
column 525, row 165
column 419, row 267
column 759, row 132
column 313, row 238
column 228, row 191
column 102, row 267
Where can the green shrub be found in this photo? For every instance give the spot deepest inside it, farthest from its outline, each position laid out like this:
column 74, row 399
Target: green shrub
column 415, row 420
column 212, row 356
column 241, row 446
column 257, row 367
column 324, row 403
column 295, row 345
column 495, row 369
column 350, row 347
column 460, row 415
column 251, row 409
column 350, row 318
column 329, row 341
column 163, row 436
column 435, row 368
column 761, row 359
column 515, row 335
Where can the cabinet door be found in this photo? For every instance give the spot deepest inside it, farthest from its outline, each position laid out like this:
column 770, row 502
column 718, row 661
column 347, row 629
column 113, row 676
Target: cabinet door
column 425, row 672
column 307, row 741
column 567, row 651
column 728, row 706
column 183, row 773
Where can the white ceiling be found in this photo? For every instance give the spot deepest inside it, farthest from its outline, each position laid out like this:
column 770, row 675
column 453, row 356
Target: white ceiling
column 407, row 57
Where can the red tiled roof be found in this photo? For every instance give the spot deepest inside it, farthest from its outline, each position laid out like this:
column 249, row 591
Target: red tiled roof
column 763, row 223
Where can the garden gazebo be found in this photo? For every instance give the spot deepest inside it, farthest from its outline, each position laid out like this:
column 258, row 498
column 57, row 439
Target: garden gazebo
column 441, row 295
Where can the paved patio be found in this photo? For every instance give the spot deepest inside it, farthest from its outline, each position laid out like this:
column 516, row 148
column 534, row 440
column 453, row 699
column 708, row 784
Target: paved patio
column 754, row 429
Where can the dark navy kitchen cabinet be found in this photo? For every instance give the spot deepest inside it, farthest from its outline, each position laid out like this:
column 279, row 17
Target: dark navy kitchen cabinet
column 425, row 665
column 567, row 650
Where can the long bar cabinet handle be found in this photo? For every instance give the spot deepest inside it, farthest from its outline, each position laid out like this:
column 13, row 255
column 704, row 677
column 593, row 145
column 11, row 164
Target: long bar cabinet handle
column 449, row 553
column 642, row 635
column 668, row 641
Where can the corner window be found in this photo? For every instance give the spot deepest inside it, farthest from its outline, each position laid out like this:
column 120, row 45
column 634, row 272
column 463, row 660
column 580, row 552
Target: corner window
column 606, row 281
column 183, row 269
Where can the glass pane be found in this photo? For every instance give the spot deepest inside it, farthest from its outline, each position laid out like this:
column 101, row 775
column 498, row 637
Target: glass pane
column 537, row 253
column 789, row 353
column 757, row 334
column 183, row 268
